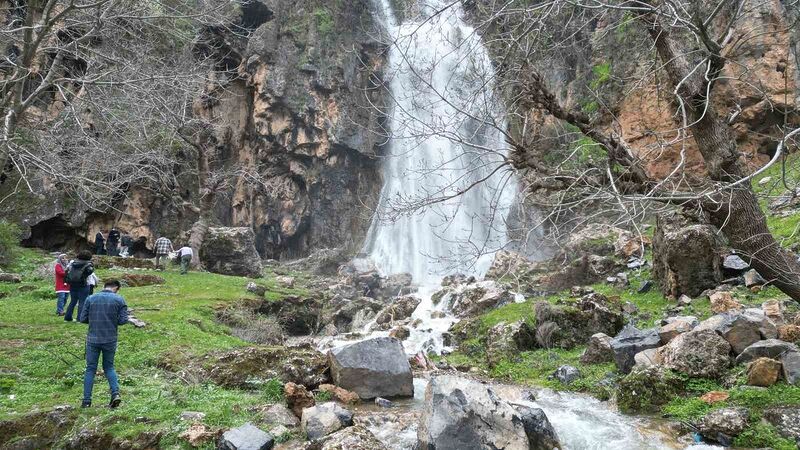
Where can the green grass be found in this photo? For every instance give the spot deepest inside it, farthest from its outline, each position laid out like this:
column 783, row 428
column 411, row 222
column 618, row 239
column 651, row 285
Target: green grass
column 41, row 356
column 513, row 312
column 787, row 228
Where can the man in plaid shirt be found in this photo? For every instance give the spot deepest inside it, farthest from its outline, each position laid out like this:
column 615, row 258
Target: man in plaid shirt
column 104, row 312
column 163, row 248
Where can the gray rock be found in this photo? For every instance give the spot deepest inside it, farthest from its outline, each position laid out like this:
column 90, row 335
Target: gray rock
column 686, row 256
column 461, row 414
column 723, row 424
column 701, row 353
column 567, row 374
column 645, row 286
column 401, row 308
column 735, row 263
column 246, row 437
column 508, row 339
column 372, row 368
column 786, row 420
column 322, row 420
column 741, row 328
column 753, row 278
column 770, row 348
column 383, row 403
column 791, row 367
column 599, row 350
column 280, row 415
column 676, row 326
column 193, row 416
column 231, row 251
column 473, row 299
column 631, row 341
column 351, row 438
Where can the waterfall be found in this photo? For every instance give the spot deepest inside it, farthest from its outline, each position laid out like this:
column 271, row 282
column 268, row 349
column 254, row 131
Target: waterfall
column 446, row 135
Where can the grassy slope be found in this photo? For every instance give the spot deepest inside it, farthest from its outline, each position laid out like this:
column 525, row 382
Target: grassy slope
column 41, row 356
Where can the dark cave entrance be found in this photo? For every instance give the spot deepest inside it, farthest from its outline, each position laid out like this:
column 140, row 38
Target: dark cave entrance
column 55, row 234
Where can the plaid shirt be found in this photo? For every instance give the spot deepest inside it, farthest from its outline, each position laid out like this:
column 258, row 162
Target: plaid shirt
column 163, row 246
column 104, row 312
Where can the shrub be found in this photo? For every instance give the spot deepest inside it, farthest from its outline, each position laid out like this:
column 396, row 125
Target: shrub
column 273, row 390
column 10, row 235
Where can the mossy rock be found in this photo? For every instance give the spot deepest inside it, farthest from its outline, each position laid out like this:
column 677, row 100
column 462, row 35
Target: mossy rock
column 647, row 389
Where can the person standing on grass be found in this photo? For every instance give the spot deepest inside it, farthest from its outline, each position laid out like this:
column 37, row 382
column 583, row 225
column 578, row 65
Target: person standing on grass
column 113, row 242
column 185, row 254
column 104, row 312
column 78, row 272
column 99, row 243
column 62, row 288
column 163, row 249
column 92, row 281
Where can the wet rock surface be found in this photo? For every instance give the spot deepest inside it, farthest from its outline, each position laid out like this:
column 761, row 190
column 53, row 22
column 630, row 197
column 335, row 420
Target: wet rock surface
column 372, row 368
column 323, row 419
column 351, row 438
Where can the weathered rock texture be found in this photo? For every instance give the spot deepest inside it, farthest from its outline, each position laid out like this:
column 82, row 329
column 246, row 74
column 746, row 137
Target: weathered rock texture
column 376, row 367
column 292, row 122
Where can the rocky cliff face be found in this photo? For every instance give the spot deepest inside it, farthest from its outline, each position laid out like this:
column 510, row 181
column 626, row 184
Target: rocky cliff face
column 292, row 108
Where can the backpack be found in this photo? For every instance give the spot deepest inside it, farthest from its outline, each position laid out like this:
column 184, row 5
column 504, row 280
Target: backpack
column 77, row 276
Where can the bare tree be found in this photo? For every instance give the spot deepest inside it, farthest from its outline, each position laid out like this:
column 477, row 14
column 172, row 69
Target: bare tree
column 684, row 50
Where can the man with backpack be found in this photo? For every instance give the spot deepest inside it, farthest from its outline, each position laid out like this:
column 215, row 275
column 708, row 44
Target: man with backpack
column 104, row 312
column 77, row 273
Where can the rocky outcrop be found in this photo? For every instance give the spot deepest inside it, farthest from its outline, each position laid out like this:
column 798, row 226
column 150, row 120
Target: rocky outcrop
column 769, row 348
column 231, row 251
column 508, row 340
column 461, row 414
column 700, row 353
column 473, row 299
column 686, row 256
column 599, row 350
column 647, row 388
column 376, row 367
column 741, row 328
column 631, row 341
column 570, row 326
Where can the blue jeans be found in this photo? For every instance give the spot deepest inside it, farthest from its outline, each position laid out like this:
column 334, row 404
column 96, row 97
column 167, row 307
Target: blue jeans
column 93, row 352
column 77, row 295
column 61, row 299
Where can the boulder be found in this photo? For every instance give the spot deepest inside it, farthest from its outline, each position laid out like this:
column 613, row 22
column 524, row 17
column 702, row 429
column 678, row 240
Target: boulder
column 723, row 302
column 701, row 353
column 231, row 251
column 791, row 367
column 400, row 333
column 339, row 394
column 566, row 374
column 676, row 326
column 774, row 310
column 279, row 414
column 473, row 299
column 631, row 341
column 351, row 438
column 763, row 372
column 250, row 367
column 246, row 437
column 753, row 278
column 395, row 285
column 10, row 278
column 646, row 389
column 686, row 256
column 372, row 368
column 508, row 339
column 722, row 425
column 647, row 358
column 400, row 309
column 786, row 420
column 297, row 398
column 573, row 325
column 734, row 263
column 599, row 350
column 770, row 348
column 505, row 263
column 741, row 328
column 629, row 244
column 594, row 239
column 715, row 397
column 321, row 420
column 461, row 414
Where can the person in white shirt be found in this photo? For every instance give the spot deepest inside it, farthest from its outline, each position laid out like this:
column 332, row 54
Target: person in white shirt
column 185, row 254
column 92, row 281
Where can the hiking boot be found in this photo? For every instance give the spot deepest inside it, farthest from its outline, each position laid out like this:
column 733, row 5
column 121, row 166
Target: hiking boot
column 115, row 400
column 85, row 404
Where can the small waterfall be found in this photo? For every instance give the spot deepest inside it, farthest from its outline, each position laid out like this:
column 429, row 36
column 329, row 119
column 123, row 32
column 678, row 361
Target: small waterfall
column 446, row 135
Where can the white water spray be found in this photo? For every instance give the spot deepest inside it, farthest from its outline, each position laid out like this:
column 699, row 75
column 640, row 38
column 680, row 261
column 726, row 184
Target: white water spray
column 446, row 154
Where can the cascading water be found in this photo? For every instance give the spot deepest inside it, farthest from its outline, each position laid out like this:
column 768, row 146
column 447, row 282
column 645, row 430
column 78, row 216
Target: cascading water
column 446, row 154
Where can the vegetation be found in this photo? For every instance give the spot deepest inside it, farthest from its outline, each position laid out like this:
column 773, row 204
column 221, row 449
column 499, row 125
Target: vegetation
column 9, row 237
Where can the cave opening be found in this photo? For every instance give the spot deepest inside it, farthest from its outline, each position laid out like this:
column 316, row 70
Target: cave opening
column 254, row 14
column 55, row 234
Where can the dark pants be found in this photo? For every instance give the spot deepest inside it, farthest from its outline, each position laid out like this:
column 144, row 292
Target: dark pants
column 99, row 249
column 186, row 260
column 77, row 295
column 113, row 250
column 61, row 300
column 93, row 352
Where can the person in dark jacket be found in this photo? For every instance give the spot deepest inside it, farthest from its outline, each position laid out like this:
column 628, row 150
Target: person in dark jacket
column 104, row 312
column 113, row 242
column 77, row 273
column 126, row 244
column 99, row 243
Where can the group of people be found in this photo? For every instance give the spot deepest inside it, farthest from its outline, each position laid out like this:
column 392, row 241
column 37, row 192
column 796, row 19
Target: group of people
column 103, row 312
column 164, row 248
column 112, row 243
